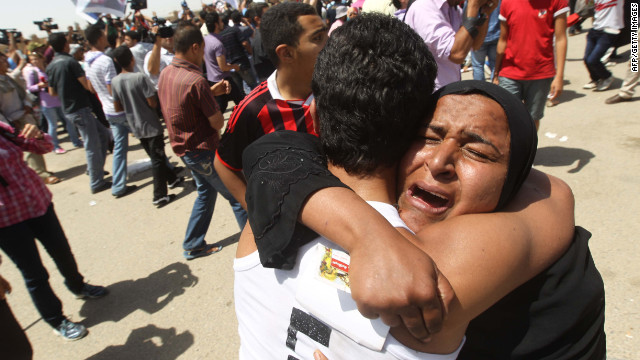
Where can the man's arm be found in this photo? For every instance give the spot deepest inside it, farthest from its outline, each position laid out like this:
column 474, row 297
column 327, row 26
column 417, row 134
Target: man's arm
column 86, row 84
column 152, row 101
column 224, row 66
column 500, row 49
column 233, row 180
column 153, row 65
column 484, row 256
column 560, row 30
column 464, row 42
column 52, row 91
column 118, row 106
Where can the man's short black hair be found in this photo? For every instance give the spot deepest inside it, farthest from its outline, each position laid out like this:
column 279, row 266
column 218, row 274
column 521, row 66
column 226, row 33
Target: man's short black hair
column 211, row 20
column 372, row 85
column 57, row 41
column 134, row 35
column 236, row 17
column 122, row 55
column 93, row 33
column 259, row 8
column 186, row 35
column 280, row 26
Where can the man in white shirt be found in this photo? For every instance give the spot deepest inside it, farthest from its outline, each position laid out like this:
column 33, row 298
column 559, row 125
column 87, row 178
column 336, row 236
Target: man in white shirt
column 100, row 72
column 138, row 49
column 159, row 57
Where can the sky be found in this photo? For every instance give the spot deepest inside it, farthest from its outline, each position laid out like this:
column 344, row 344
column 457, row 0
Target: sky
column 21, row 14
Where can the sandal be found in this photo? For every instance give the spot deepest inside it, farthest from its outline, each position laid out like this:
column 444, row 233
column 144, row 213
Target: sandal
column 208, row 250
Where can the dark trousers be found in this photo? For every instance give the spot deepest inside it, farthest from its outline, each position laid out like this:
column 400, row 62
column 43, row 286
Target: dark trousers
column 13, row 341
column 598, row 42
column 236, row 94
column 18, row 242
column 154, row 146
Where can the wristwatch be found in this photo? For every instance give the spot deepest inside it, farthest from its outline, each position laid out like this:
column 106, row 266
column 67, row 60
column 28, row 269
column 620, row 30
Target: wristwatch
column 472, row 24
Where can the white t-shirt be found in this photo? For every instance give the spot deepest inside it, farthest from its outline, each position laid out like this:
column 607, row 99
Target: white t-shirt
column 165, row 59
column 139, row 52
column 100, row 71
column 273, row 324
column 609, row 16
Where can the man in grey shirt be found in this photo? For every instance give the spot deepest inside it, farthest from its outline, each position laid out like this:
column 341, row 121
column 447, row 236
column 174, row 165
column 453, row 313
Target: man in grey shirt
column 134, row 94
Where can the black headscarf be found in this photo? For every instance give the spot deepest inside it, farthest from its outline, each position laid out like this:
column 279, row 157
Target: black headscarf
column 524, row 137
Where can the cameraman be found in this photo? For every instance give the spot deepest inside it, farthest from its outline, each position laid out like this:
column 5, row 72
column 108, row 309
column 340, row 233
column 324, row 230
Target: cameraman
column 139, row 49
column 162, row 53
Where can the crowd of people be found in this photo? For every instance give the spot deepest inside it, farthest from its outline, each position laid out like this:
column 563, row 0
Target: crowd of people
column 368, row 102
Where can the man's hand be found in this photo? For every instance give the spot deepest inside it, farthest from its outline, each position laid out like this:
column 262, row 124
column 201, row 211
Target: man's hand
column 221, row 88
column 556, row 88
column 401, row 284
column 5, row 288
column 31, row 131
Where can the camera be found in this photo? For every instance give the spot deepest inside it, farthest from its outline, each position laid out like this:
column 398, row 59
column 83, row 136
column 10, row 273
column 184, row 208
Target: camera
column 46, row 24
column 164, row 31
column 4, row 35
column 138, row 4
column 77, row 38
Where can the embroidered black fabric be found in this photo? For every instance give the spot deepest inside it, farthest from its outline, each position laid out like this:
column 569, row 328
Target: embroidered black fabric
column 275, row 166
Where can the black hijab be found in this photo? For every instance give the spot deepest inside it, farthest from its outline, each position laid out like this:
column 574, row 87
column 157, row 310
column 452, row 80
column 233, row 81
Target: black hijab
column 524, row 137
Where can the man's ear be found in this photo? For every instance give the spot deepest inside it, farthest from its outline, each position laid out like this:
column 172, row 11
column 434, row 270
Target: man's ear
column 284, row 53
column 313, row 110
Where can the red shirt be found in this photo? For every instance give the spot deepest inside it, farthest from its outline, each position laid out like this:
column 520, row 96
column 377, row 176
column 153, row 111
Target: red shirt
column 23, row 195
column 187, row 102
column 263, row 111
column 531, row 23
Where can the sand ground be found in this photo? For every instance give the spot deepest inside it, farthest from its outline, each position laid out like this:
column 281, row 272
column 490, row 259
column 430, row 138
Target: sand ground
column 163, row 307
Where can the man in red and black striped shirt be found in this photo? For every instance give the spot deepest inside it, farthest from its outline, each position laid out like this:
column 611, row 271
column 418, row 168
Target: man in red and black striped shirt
column 193, row 122
column 293, row 35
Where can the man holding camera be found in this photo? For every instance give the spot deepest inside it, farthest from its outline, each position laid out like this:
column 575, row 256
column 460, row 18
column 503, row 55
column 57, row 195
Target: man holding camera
column 162, row 53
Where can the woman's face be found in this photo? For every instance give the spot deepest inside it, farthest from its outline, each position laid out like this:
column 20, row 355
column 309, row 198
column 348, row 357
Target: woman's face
column 36, row 60
column 458, row 164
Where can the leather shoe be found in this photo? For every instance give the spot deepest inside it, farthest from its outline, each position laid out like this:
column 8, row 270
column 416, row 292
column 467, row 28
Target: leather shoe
column 615, row 99
column 127, row 190
column 52, row 180
column 103, row 187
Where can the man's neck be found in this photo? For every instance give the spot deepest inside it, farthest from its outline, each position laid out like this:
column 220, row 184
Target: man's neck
column 377, row 187
column 185, row 58
column 93, row 48
column 290, row 86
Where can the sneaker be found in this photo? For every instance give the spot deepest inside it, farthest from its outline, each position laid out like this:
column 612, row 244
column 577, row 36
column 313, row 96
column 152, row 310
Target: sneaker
column 70, row 331
column 616, row 99
column 92, row 292
column 128, row 189
column 176, row 182
column 178, row 169
column 59, row 151
column 605, row 84
column 164, row 200
column 590, row 85
column 208, row 250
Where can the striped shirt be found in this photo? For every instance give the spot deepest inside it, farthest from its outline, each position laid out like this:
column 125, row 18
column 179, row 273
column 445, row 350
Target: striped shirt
column 187, row 102
column 101, row 71
column 263, row 111
column 23, row 195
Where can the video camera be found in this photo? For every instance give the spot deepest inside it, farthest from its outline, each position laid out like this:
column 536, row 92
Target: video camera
column 77, row 38
column 164, row 30
column 138, row 4
column 4, row 35
column 46, row 24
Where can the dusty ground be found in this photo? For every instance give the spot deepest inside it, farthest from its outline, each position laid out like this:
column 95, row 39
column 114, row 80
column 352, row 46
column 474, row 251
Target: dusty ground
column 163, row 307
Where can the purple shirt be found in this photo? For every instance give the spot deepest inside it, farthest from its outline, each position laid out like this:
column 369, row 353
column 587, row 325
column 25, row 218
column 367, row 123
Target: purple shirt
column 437, row 23
column 213, row 48
column 32, row 75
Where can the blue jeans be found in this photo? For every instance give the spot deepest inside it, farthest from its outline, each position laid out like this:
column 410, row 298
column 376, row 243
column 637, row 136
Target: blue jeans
column 96, row 142
column 208, row 185
column 598, row 42
column 18, row 241
column 53, row 115
column 120, row 130
column 478, row 56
